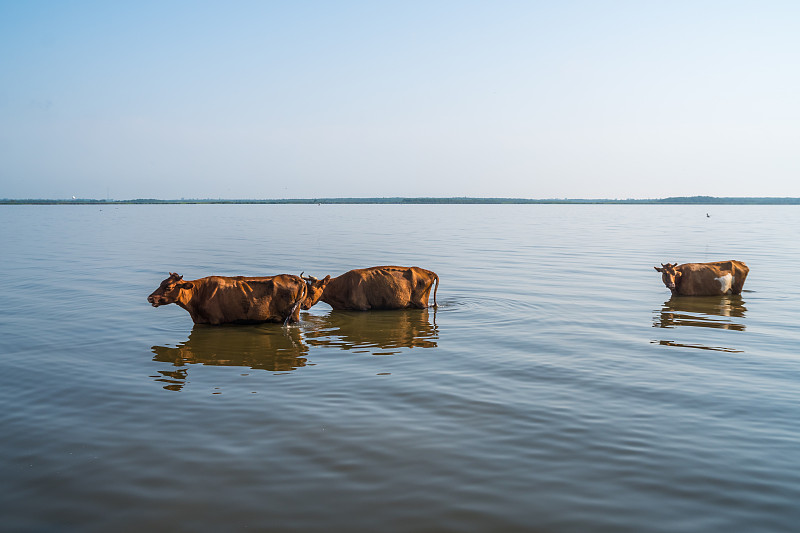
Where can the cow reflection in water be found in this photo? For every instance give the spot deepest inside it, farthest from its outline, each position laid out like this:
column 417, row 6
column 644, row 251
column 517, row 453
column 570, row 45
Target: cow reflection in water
column 702, row 311
column 258, row 347
column 384, row 333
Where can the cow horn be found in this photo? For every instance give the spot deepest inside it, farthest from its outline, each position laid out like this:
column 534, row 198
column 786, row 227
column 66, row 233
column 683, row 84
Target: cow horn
column 309, row 278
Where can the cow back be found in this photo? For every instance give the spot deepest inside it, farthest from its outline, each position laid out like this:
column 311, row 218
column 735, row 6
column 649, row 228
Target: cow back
column 709, row 279
column 381, row 287
column 220, row 299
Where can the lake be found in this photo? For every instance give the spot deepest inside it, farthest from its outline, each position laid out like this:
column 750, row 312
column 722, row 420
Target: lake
column 556, row 388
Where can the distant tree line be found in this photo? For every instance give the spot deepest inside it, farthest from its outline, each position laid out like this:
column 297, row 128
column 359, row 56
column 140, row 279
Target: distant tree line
column 423, row 200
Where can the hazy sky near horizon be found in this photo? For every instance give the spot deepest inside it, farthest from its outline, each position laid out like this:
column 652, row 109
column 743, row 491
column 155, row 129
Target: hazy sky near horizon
column 532, row 99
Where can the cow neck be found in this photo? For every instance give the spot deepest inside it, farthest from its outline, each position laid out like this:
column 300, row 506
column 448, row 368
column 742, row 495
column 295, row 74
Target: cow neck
column 328, row 291
column 679, row 280
column 185, row 297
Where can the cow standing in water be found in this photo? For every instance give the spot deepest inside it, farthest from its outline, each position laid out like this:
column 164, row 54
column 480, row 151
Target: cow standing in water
column 380, row 287
column 238, row 300
column 704, row 279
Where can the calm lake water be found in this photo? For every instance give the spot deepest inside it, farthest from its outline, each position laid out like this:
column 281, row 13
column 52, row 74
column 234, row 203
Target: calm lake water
column 556, row 388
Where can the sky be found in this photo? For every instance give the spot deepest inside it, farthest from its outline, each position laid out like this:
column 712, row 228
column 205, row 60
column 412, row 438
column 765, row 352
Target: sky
column 435, row 98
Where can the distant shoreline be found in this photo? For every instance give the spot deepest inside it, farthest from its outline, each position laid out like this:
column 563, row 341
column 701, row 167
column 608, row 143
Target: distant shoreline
column 676, row 200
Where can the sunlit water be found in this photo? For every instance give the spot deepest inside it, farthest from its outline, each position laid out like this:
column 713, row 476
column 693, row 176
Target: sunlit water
column 557, row 387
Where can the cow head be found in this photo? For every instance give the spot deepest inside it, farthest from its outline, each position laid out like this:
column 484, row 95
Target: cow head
column 669, row 275
column 314, row 289
column 169, row 290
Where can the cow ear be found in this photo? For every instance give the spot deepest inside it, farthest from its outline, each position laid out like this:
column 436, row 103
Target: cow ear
column 186, row 285
column 326, row 278
column 659, row 269
column 678, row 273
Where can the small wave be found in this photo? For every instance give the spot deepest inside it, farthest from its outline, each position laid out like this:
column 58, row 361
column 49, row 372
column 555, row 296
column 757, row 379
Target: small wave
column 497, row 311
column 697, row 346
column 470, row 303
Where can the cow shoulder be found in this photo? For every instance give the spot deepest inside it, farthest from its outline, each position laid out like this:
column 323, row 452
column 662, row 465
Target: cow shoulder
column 205, row 288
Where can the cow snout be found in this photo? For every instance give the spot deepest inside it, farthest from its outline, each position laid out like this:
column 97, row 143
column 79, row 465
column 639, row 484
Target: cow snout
column 152, row 300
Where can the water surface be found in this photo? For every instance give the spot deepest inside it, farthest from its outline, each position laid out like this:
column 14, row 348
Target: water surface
column 557, row 387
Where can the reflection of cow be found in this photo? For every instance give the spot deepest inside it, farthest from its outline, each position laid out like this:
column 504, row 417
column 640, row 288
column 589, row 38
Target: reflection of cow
column 377, row 333
column 223, row 300
column 381, row 287
column 702, row 312
column 704, row 279
column 265, row 347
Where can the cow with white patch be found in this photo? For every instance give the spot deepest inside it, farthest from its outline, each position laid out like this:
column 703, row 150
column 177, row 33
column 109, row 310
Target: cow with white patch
column 704, row 279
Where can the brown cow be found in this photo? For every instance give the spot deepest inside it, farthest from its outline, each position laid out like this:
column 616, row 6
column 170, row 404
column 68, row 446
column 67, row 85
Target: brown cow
column 704, row 279
column 240, row 300
column 380, row 287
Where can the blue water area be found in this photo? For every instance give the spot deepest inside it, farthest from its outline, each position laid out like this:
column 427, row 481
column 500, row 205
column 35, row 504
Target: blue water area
column 556, row 387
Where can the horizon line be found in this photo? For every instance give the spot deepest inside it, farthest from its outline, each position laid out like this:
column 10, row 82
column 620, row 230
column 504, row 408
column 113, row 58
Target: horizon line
column 730, row 200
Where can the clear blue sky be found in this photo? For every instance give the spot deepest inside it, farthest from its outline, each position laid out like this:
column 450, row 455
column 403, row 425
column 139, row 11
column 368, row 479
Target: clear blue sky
column 594, row 99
